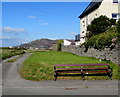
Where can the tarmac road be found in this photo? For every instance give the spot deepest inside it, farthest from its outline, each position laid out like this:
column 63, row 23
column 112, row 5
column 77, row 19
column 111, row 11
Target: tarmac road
column 13, row 84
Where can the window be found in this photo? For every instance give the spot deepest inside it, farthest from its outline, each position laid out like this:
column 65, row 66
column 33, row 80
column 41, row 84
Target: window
column 82, row 31
column 115, row 1
column 77, row 37
column 95, row 16
column 114, row 15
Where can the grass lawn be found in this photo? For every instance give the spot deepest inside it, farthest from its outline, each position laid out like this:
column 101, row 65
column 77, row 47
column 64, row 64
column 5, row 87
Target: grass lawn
column 14, row 59
column 39, row 66
column 7, row 53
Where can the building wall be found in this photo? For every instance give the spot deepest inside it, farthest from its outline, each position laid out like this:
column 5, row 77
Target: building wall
column 92, row 16
column 66, row 42
column 107, row 7
column 82, row 29
column 77, row 43
column 104, row 54
column 85, row 21
column 54, row 47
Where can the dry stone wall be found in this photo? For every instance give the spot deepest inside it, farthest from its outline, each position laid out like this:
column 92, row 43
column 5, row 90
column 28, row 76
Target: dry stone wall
column 107, row 54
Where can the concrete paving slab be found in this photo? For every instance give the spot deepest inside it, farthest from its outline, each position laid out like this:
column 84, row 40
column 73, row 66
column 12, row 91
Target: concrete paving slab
column 13, row 84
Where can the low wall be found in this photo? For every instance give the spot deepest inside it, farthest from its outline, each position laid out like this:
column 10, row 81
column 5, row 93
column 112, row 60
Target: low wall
column 103, row 54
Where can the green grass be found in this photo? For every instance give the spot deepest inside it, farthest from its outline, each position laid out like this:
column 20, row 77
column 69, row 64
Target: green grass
column 39, row 66
column 13, row 60
column 7, row 53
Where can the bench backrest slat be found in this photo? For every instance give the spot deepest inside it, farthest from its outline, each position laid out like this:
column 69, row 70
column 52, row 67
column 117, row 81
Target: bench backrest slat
column 81, row 65
column 79, row 68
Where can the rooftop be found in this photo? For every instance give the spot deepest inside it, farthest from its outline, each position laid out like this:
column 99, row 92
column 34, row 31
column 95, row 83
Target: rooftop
column 91, row 7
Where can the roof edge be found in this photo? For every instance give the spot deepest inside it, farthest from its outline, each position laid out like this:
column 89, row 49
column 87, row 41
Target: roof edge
column 90, row 8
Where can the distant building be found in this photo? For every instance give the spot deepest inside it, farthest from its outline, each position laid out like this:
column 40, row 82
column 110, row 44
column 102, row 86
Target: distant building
column 10, row 46
column 31, row 48
column 68, row 42
column 77, row 39
column 36, row 48
column 108, row 8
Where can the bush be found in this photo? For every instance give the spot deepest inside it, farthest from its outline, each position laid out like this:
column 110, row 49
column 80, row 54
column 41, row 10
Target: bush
column 118, row 26
column 7, row 53
column 102, row 40
column 59, row 45
column 118, row 30
column 99, row 25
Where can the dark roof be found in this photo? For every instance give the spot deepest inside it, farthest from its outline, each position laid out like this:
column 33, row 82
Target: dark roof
column 91, row 7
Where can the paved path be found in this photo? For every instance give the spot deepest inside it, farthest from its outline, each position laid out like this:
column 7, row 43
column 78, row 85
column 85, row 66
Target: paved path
column 13, row 84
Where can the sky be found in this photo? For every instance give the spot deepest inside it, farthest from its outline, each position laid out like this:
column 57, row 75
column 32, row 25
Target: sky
column 23, row 22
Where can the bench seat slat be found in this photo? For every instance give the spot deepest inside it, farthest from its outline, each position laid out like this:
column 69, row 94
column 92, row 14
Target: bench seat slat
column 78, row 68
column 81, row 65
column 95, row 69
column 84, row 72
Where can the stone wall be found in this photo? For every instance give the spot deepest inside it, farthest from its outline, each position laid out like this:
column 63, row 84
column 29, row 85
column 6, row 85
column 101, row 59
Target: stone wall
column 54, row 47
column 103, row 54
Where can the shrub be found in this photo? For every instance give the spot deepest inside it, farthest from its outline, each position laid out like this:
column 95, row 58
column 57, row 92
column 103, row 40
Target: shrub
column 118, row 26
column 99, row 25
column 102, row 40
column 7, row 53
column 59, row 45
column 118, row 30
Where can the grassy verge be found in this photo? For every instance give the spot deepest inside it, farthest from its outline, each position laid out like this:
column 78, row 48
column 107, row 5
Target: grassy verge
column 13, row 60
column 7, row 53
column 39, row 66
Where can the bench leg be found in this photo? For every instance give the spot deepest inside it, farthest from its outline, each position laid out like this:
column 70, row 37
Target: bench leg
column 55, row 76
column 110, row 76
column 83, row 77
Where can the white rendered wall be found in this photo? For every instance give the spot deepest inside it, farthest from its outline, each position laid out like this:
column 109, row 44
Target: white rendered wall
column 107, row 7
column 66, row 42
column 77, row 43
column 87, row 21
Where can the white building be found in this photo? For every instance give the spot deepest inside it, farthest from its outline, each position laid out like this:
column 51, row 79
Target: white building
column 10, row 46
column 68, row 42
column 108, row 8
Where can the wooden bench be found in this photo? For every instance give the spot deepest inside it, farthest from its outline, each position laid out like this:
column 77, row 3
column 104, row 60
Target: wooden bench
column 82, row 70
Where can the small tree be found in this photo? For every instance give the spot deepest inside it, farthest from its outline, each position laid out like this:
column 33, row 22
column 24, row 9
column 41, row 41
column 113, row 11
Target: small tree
column 118, row 29
column 102, row 40
column 59, row 45
column 99, row 25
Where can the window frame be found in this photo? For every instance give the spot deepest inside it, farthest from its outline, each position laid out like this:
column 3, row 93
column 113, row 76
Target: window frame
column 115, row 1
column 114, row 15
